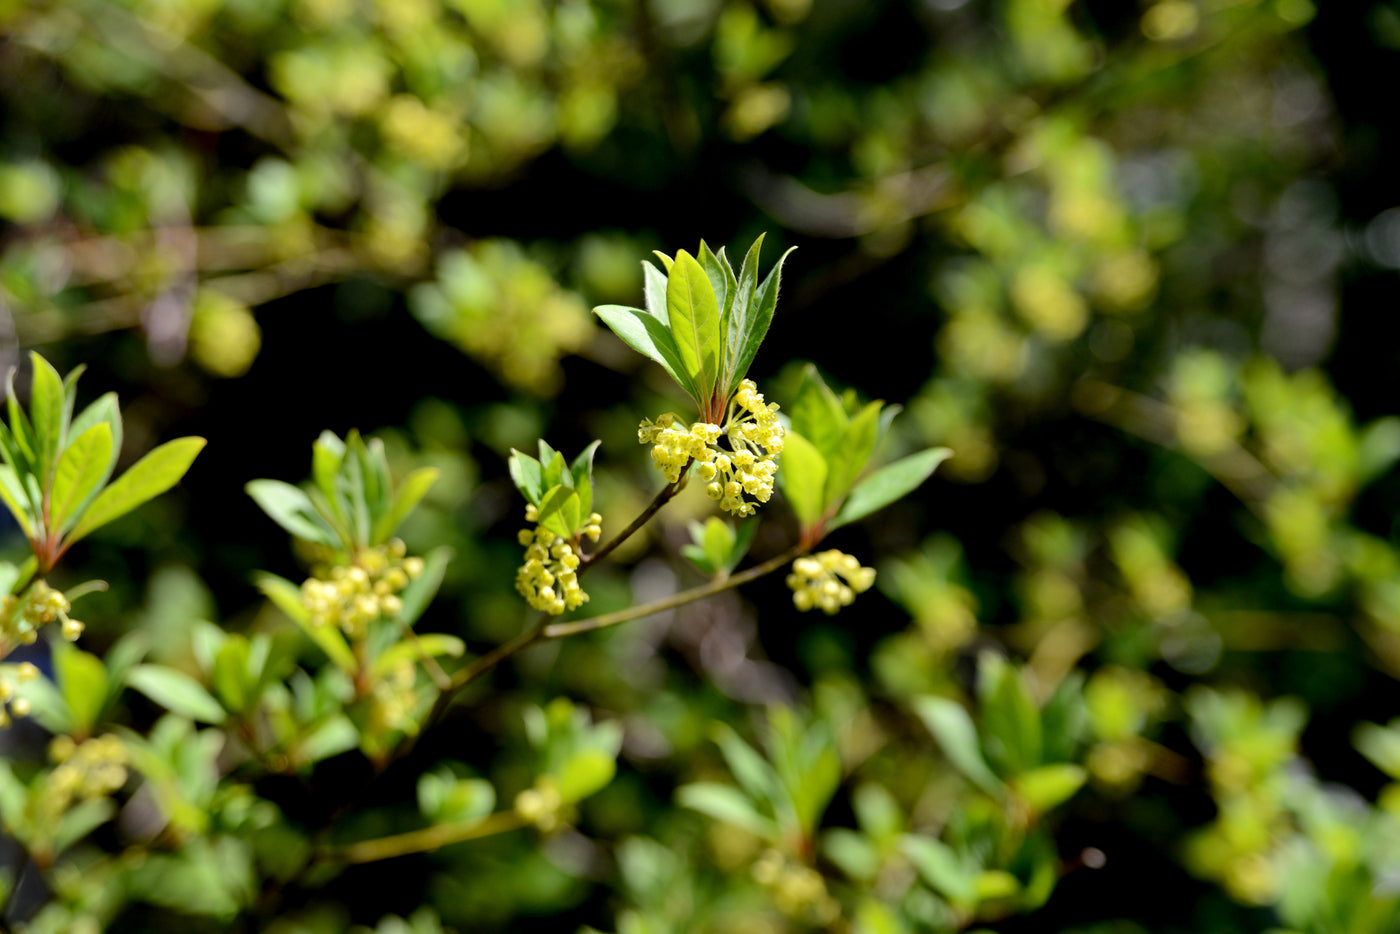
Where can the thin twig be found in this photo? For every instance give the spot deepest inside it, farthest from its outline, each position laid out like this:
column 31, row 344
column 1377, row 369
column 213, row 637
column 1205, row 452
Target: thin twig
column 427, row 839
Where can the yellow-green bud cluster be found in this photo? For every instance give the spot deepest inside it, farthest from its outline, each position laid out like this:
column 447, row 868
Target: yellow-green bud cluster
column 548, row 580
column 11, row 706
column 755, row 438
column 21, row 616
column 91, row 769
column 540, row 805
column 395, row 696
column 828, row 581
column 798, row 890
column 353, row 596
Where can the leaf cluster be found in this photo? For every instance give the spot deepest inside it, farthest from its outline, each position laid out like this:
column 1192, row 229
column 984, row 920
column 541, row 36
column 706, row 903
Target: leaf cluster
column 561, row 492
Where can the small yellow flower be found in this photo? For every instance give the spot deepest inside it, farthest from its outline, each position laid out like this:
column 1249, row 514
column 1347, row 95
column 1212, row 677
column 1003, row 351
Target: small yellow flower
column 353, row 596
column 828, row 581
column 745, row 468
column 548, row 580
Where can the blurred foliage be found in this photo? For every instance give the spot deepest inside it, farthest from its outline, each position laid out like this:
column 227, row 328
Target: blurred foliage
column 1130, row 660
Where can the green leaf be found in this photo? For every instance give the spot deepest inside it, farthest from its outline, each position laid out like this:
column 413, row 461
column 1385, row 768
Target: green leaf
column 753, row 772
column 889, row 483
column 80, row 820
column 149, row 477
column 291, row 508
column 728, row 805
column 20, row 431
column 414, row 650
column 423, row 588
column 803, row 477
column 1050, row 786
column 817, row 413
column 286, row 596
column 694, row 312
column 942, row 868
column 718, row 538
column 655, row 294
column 102, row 409
column 331, row 738
column 957, row 736
column 651, row 337
column 666, row 261
column 12, row 492
column 82, row 679
column 559, row 511
column 719, row 282
column 445, row 798
column 80, row 471
column 852, row 454
column 46, row 705
column 327, row 454
column 410, row 492
column 582, row 471
column 528, row 476
column 739, row 315
column 584, row 773
column 46, row 405
column 231, row 675
column 1010, row 719
column 760, row 316
column 176, row 692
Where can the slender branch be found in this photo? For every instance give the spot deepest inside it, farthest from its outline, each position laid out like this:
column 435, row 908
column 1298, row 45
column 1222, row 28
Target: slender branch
column 562, row 630
column 427, row 839
column 666, row 494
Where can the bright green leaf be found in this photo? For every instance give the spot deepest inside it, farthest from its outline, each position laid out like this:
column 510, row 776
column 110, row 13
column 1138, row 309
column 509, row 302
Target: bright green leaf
column 728, row 805
column 760, row 316
column 957, row 736
column 82, row 678
column 286, row 596
column 15, row 499
column 889, row 483
column 176, row 692
column 1050, row 786
column 46, row 396
column 695, row 324
column 410, row 492
column 942, row 868
column 651, row 337
column 803, row 477
column 584, row 773
column 817, row 413
column 848, row 460
column 423, row 588
column 79, row 473
column 528, row 476
column 292, row 509
column 430, row 645
column 149, row 477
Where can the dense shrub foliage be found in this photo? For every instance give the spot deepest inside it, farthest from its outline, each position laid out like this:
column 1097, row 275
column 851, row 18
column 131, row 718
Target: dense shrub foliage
column 307, row 628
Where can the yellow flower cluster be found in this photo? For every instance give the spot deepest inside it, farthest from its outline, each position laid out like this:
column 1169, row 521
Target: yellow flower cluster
column 21, row 617
column 540, row 805
column 798, row 890
column 828, row 581
column 548, row 580
column 353, row 596
column 755, row 438
column 10, row 705
column 91, row 769
column 396, row 700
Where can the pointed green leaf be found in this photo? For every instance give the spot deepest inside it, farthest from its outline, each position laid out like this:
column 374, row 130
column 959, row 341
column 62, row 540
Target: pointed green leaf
column 847, row 462
column 80, row 820
column 559, row 511
column 650, row 337
column 46, row 398
column 655, row 294
column 717, row 537
column 728, row 805
column 752, row 771
column 942, row 868
column 410, row 492
column 760, row 316
column 327, row 454
column 79, row 473
column 719, row 276
column 889, row 483
column 694, row 311
column 286, row 596
column 15, row 500
column 82, row 678
column 231, row 676
column 102, row 409
column 741, row 313
column 378, row 485
column 585, row 772
column 1010, row 719
column 666, row 261
column 149, row 477
column 817, row 413
column 430, row 645
column 176, row 692
column 556, row 470
column 292, row 509
column 1049, row 786
column 20, row 431
column 528, row 476
column 423, row 588
column 957, row 737
column 803, row 477
column 582, row 470
column 46, row 705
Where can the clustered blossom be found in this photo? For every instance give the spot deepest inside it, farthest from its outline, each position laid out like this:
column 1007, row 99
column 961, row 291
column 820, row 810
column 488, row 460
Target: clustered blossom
column 755, row 438
column 92, row 769
column 548, row 580
column 21, row 616
column 828, row 581
column 355, row 595
column 12, row 707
